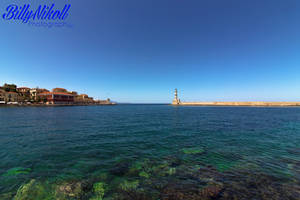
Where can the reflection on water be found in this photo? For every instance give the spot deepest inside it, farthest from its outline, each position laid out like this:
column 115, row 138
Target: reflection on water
column 149, row 152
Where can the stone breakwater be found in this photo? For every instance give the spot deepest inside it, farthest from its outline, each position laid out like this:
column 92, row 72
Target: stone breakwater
column 255, row 103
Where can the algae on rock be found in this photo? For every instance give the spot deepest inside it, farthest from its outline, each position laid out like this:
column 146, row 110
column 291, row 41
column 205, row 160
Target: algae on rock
column 73, row 189
column 33, row 190
column 172, row 171
column 17, row 170
column 99, row 191
column 129, row 185
column 144, row 174
column 193, row 150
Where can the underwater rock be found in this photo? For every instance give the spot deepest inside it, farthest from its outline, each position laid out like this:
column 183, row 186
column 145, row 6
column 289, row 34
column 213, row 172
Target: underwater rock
column 17, row 170
column 99, row 191
column 103, row 176
column 210, row 191
column 76, row 189
column 244, row 185
column 160, row 170
column 32, row 190
column 224, row 166
column 23, row 191
column 133, row 190
column 145, row 169
column 129, row 185
column 136, row 168
column 192, row 183
column 190, row 191
column 207, row 182
column 135, row 195
column 200, row 173
column 120, row 169
column 175, row 162
column 172, row 171
column 218, row 161
column 7, row 196
column 292, row 191
column 193, row 150
column 144, row 174
column 247, row 166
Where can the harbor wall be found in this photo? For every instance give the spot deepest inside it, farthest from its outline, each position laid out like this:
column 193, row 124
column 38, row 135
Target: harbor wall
column 256, row 103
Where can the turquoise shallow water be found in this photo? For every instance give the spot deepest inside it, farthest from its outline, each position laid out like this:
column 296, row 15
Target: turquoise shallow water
column 149, row 152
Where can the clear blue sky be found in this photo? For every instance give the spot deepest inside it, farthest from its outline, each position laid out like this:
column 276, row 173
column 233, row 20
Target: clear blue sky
column 140, row 50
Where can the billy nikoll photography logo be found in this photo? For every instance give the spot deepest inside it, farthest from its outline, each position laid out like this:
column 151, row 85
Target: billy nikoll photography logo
column 43, row 16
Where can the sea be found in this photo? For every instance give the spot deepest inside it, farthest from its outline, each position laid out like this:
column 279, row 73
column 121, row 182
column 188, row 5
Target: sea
column 155, row 152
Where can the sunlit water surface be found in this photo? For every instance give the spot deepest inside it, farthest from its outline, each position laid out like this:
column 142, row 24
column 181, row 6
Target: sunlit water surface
column 149, row 152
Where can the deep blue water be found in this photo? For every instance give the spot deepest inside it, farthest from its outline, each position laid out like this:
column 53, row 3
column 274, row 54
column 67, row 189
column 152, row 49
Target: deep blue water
column 65, row 145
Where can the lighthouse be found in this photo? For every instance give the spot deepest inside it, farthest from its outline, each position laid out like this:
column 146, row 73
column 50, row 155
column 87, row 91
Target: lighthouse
column 176, row 101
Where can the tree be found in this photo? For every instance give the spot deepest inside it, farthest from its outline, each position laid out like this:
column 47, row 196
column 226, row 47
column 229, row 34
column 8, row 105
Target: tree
column 10, row 87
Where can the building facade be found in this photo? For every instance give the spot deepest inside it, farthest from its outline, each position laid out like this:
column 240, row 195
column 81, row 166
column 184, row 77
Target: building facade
column 11, row 97
column 34, row 93
column 107, row 101
column 11, row 94
column 56, row 98
column 2, row 96
column 83, row 99
column 24, row 90
column 24, row 93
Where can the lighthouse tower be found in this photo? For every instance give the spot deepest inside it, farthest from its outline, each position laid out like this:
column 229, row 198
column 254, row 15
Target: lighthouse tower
column 176, row 101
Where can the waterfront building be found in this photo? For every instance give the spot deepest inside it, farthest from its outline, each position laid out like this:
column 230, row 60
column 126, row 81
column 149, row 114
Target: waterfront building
column 63, row 90
column 2, row 95
column 42, row 90
column 74, row 93
column 57, row 97
column 78, row 99
column 24, row 93
column 90, row 99
column 23, row 90
column 12, row 93
column 34, row 92
column 83, row 98
column 11, row 97
column 107, row 101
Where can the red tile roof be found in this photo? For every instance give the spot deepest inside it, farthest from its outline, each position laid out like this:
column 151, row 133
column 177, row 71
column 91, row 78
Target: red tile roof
column 56, row 93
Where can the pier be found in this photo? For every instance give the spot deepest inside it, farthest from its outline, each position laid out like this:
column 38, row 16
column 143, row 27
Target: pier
column 176, row 102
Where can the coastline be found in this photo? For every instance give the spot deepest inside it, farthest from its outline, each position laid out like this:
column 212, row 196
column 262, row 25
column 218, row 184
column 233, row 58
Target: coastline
column 53, row 105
